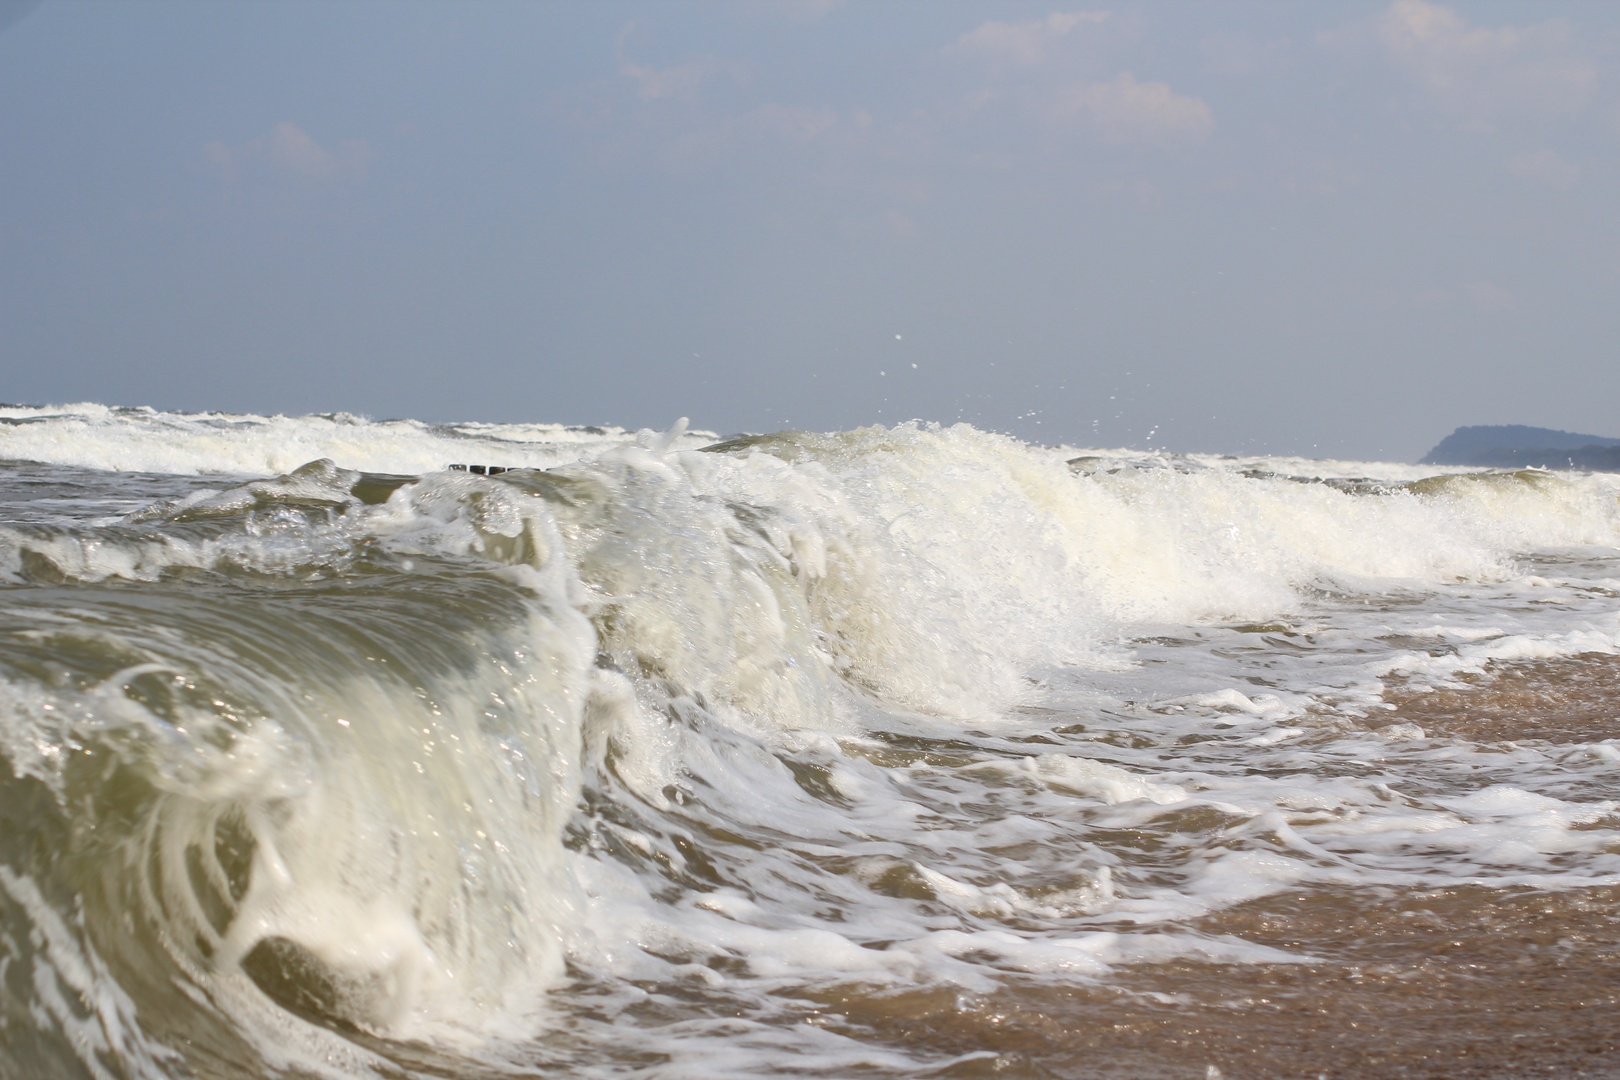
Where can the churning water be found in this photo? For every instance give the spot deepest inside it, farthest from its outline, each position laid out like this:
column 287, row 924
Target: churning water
column 890, row 752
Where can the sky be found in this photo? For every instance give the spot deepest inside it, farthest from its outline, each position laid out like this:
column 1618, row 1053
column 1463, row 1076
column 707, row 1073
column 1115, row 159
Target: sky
column 1336, row 229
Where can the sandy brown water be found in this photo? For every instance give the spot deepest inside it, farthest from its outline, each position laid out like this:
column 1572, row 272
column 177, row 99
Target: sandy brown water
column 1461, row 982
column 1452, row 983
column 1576, row 699
column 1470, row 983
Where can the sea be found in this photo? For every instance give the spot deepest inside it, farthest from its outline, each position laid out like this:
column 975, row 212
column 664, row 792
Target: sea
column 345, row 748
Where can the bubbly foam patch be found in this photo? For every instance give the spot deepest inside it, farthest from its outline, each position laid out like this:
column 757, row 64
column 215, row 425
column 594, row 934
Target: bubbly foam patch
column 655, row 751
column 147, row 440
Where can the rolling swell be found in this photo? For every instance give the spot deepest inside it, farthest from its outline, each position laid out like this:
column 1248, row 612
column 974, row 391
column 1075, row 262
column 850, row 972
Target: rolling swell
column 312, row 762
column 285, row 765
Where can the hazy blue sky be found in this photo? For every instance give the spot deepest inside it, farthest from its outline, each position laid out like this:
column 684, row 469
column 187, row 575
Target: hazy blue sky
column 1339, row 229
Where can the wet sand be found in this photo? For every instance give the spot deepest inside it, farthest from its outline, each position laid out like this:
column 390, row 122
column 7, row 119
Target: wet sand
column 1459, row 983
column 1464, row 983
column 1569, row 700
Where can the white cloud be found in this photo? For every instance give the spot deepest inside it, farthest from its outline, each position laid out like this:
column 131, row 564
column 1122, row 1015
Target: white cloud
column 1023, row 42
column 798, row 124
column 1026, row 108
column 1545, row 167
column 289, row 150
column 1483, row 75
column 1031, row 85
column 652, row 84
column 676, row 82
column 1125, row 110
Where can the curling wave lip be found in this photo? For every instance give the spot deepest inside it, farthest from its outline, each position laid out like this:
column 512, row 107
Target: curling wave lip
column 745, row 755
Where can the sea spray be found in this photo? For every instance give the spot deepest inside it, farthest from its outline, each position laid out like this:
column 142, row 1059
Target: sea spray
column 648, row 755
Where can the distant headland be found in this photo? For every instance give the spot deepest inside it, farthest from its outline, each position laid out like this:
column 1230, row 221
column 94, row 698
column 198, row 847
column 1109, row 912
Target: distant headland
column 1514, row 446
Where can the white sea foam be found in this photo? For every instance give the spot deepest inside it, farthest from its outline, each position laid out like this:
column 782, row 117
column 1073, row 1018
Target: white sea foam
column 147, row 440
column 891, row 708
